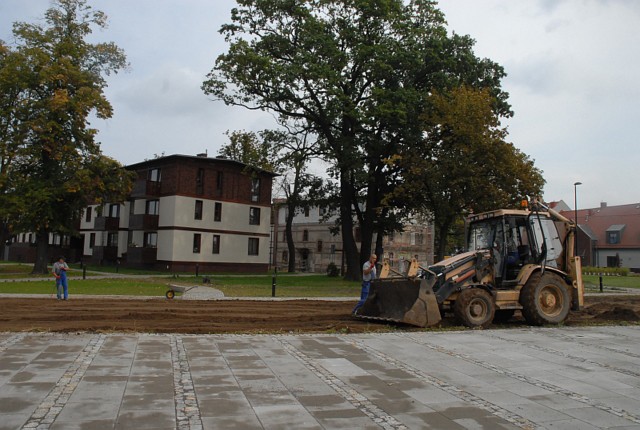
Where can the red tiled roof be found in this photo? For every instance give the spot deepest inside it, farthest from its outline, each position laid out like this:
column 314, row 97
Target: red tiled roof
column 599, row 220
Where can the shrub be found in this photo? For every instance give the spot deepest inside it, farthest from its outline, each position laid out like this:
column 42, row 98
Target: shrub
column 332, row 270
column 606, row 271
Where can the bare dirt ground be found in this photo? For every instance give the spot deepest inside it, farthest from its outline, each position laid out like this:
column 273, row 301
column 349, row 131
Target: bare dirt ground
column 241, row 316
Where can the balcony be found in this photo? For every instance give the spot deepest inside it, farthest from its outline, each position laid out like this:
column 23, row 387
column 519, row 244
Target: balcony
column 107, row 223
column 143, row 222
column 105, row 253
column 141, row 255
column 144, row 188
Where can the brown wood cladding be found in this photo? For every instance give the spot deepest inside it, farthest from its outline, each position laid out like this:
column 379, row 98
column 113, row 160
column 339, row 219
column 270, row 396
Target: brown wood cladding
column 180, row 177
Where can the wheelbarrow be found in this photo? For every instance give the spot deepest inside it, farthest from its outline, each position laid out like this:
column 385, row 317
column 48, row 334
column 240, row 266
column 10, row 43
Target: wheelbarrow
column 173, row 289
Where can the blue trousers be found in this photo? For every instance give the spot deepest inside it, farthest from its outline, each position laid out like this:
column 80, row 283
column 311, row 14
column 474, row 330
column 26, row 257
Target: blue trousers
column 363, row 295
column 62, row 286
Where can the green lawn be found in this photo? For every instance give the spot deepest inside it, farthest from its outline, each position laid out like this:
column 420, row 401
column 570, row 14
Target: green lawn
column 287, row 285
column 631, row 281
column 18, row 270
column 132, row 287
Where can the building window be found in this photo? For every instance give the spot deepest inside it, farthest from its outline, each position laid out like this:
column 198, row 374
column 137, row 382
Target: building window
column 88, row 214
column 196, row 243
column 285, row 256
column 613, row 261
column 154, row 175
column 254, row 245
column 216, row 244
column 150, row 239
column 322, row 211
column 219, row 183
column 217, row 212
column 254, row 216
column 153, row 207
column 613, row 237
column 305, row 235
column 112, row 239
column 197, row 214
column 114, row 211
column 319, row 246
column 306, row 212
column 200, row 181
column 92, row 240
column 255, row 190
column 416, row 238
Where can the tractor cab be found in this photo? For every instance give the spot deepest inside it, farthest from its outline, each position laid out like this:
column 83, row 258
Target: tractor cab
column 514, row 238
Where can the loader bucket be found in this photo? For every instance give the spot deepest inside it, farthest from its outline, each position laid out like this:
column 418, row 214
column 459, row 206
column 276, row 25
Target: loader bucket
column 403, row 300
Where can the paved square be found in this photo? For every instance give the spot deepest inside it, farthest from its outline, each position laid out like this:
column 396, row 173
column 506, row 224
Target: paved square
column 556, row 378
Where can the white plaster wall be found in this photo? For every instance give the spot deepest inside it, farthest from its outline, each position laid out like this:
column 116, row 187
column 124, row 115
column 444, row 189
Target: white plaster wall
column 177, row 245
column 178, row 211
column 88, row 225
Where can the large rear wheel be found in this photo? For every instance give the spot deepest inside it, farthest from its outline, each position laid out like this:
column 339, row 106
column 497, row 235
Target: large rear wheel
column 474, row 308
column 545, row 299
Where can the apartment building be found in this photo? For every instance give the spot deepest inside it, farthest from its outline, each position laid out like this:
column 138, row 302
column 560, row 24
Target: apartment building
column 185, row 213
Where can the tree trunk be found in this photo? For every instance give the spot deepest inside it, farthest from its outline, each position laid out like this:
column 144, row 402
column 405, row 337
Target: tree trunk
column 4, row 237
column 350, row 252
column 42, row 253
column 291, row 246
column 441, row 248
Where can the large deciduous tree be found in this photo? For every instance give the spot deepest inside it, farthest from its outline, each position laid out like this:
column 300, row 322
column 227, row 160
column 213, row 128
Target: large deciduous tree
column 357, row 74
column 52, row 166
column 463, row 163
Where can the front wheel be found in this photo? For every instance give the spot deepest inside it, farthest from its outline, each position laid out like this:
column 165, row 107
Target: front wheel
column 545, row 299
column 474, row 308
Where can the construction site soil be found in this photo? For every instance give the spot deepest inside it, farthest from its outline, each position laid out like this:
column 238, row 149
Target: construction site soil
column 108, row 314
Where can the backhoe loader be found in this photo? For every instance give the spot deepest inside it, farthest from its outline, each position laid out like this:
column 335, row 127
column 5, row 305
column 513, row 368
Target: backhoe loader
column 516, row 260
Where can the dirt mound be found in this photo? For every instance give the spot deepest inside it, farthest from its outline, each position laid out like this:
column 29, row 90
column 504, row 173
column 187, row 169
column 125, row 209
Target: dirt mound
column 238, row 316
column 619, row 314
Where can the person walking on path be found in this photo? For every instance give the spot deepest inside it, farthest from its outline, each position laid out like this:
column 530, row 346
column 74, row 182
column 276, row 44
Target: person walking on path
column 62, row 284
column 368, row 273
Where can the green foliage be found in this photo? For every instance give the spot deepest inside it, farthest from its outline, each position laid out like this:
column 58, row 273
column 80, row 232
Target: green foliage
column 358, row 74
column 463, row 163
column 248, row 148
column 51, row 82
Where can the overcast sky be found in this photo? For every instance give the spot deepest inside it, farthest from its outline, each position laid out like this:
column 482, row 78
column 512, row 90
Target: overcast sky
column 573, row 68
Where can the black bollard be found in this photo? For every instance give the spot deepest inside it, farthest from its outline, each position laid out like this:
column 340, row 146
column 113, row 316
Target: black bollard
column 84, row 272
column 601, row 288
column 197, row 269
column 273, row 286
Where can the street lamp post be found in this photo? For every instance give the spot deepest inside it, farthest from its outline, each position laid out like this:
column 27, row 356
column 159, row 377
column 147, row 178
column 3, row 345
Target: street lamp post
column 575, row 209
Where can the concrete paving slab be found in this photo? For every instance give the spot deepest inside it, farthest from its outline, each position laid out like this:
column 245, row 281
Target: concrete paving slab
column 557, row 378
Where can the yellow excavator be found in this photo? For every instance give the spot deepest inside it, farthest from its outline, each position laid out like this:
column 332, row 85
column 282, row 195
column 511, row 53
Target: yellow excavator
column 516, row 260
